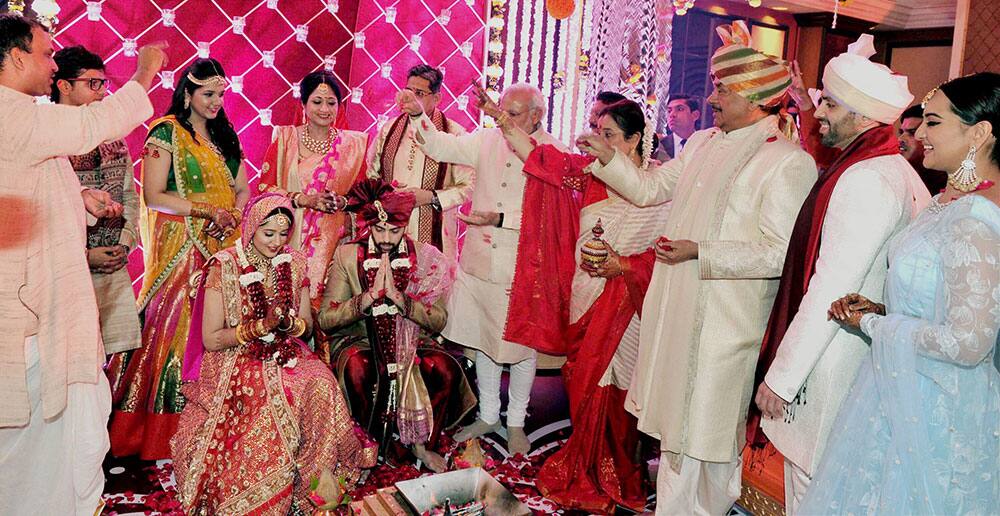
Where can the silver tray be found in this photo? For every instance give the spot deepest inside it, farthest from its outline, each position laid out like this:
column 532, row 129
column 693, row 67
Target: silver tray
column 461, row 486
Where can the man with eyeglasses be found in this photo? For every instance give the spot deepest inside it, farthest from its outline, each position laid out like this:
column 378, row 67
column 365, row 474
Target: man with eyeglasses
column 56, row 400
column 478, row 304
column 80, row 81
column 439, row 188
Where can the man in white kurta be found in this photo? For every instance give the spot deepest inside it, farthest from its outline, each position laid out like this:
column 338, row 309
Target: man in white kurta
column 477, row 306
column 872, row 200
column 440, row 188
column 56, row 400
column 736, row 190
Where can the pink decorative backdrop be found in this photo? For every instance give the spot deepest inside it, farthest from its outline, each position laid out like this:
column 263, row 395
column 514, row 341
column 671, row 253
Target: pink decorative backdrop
column 271, row 44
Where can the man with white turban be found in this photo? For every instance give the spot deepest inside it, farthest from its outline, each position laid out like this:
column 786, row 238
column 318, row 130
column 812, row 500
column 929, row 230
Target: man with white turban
column 839, row 245
column 736, row 189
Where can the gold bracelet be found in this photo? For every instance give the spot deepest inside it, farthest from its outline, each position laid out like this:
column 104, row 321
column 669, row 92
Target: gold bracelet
column 259, row 330
column 202, row 210
column 239, row 334
column 503, row 120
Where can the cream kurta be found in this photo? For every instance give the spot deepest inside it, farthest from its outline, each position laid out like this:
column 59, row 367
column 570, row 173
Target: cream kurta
column 477, row 306
column 45, row 282
column 456, row 191
column 703, row 319
column 872, row 201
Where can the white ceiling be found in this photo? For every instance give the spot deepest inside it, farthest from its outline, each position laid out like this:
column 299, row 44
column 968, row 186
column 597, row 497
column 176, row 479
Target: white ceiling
column 887, row 14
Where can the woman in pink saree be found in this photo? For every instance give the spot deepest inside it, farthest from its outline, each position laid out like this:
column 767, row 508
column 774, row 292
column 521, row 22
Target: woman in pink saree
column 264, row 415
column 315, row 164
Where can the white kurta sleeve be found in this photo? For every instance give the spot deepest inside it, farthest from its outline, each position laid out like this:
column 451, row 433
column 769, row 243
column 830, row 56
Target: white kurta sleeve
column 512, row 220
column 862, row 215
column 640, row 187
column 764, row 256
column 448, row 148
column 971, row 295
column 374, row 169
column 52, row 130
column 463, row 180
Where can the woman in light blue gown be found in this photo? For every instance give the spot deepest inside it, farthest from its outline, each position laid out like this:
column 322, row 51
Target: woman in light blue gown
column 919, row 432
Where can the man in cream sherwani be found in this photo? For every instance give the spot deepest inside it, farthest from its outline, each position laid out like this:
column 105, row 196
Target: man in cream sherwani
column 872, row 193
column 439, row 188
column 477, row 306
column 735, row 189
column 55, row 398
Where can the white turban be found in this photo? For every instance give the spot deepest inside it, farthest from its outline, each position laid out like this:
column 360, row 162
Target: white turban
column 864, row 87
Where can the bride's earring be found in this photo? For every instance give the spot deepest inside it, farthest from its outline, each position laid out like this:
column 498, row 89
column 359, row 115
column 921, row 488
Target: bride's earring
column 965, row 179
column 187, row 101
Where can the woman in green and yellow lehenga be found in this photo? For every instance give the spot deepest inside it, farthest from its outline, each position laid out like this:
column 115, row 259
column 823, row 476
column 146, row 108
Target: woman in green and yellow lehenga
column 193, row 188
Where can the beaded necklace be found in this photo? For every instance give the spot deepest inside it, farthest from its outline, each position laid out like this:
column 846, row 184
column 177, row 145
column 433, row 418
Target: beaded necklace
column 315, row 146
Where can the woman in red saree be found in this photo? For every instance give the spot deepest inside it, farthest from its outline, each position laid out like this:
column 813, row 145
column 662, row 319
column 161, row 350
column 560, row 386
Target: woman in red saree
column 596, row 469
column 264, row 415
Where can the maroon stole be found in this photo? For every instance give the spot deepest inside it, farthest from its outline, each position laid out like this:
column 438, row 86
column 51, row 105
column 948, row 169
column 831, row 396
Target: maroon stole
column 429, row 219
column 803, row 251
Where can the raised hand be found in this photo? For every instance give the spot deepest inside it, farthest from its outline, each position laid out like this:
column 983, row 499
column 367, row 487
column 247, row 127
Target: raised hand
column 408, row 103
column 798, row 90
column 152, row 58
column 484, row 102
column 596, row 146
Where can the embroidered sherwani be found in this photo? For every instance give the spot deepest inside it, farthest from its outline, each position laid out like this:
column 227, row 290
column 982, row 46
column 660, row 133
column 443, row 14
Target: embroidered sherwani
column 737, row 195
column 818, row 359
column 410, row 168
column 109, row 168
column 477, row 306
column 368, row 357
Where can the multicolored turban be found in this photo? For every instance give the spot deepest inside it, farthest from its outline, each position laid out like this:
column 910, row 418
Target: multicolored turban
column 755, row 76
column 374, row 201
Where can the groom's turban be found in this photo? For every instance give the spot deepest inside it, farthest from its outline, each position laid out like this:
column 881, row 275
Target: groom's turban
column 374, row 201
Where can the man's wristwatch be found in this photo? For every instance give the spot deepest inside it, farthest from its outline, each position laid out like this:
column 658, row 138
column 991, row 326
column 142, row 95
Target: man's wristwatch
column 435, row 202
column 500, row 221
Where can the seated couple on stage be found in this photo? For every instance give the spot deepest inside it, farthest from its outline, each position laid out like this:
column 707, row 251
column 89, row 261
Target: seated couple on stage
column 382, row 307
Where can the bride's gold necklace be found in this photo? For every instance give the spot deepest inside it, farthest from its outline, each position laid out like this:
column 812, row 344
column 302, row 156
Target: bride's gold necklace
column 260, row 262
column 318, row 146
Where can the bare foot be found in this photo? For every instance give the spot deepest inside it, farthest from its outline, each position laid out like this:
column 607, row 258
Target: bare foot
column 477, row 429
column 517, row 440
column 434, row 462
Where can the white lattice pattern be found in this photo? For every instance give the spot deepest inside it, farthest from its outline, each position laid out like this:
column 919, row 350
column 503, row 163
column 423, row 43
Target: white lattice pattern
column 267, row 46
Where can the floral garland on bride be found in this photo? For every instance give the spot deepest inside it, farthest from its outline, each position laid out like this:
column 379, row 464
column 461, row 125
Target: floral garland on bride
column 278, row 345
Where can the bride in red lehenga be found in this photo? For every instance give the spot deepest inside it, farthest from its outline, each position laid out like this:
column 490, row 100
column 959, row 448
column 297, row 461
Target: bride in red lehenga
column 264, row 415
column 595, row 306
